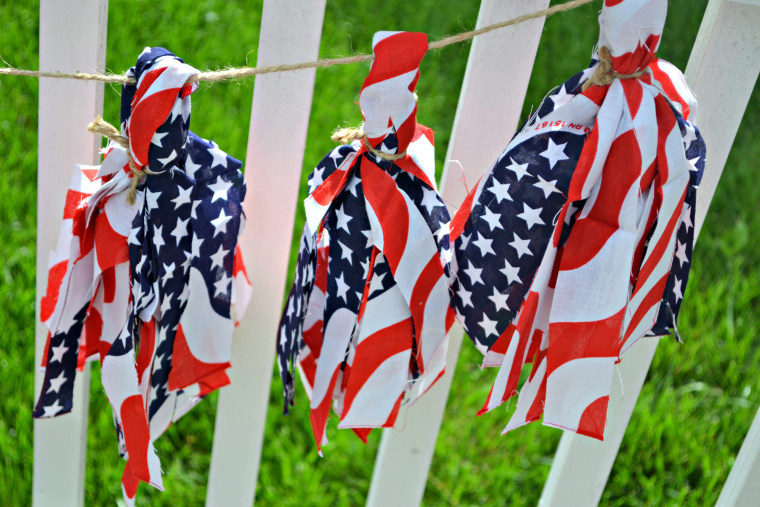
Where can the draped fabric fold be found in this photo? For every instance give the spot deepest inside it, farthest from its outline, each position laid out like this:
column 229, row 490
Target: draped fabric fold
column 367, row 316
column 578, row 241
column 147, row 288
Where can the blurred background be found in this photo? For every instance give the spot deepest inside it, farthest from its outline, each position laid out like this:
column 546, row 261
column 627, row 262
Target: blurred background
column 695, row 408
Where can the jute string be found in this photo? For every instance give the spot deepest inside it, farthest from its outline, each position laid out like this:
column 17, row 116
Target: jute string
column 350, row 134
column 105, row 129
column 244, row 72
column 604, row 74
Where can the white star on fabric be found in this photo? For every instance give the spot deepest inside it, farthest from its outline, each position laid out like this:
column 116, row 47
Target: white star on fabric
column 430, row 200
column 194, row 207
column 220, row 188
column 184, row 295
column 677, row 289
column 343, row 219
column 464, row 241
column 548, row 187
column 56, row 383
column 681, row 253
column 220, row 223
column 474, row 274
column 531, row 216
column 488, row 326
column 365, row 267
column 169, row 158
column 561, row 97
column 484, row 245
column 151, row 198
column 465, row 296
column 58, row 353
column 554, row 153
column 195, row 250
column 346, row 253
column 316, row 178
column 217, row 259
column 166, row 305
column 493, row 219
column 511, row 272
column 520, row 170
column 500, row 190
column 342, row 288
column 521, row 246
column 221, row 285
column 191, row 167
column 183, row 197
column 693, row 164
column 686, row 218
column 335, row 156
column 499, row 300
column 352, row 184
column 180, row 231
column 158, row 238
column 368, row 234
column 168, row 273
column 52, row 410
column 219, row 157
column 156, row 139
column 283, row 337
column 691, row 135
column 132, row 238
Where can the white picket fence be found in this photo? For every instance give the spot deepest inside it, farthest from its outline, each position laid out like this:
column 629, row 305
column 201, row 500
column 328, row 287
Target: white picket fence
column 722, row 71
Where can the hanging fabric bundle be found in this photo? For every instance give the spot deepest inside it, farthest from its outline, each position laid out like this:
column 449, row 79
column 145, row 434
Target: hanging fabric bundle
column 147, row 268
column 367, row 316
column 578, row 241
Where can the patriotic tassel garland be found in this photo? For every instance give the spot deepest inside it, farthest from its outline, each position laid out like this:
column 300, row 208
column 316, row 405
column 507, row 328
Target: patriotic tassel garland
column 147, row 269
column 367, row 316
column 578, row 241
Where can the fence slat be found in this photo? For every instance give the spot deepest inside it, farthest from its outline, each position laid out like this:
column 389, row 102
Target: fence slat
column 290, row 33
column 72, row 37
column 722, row 71
column 743, row 484
column 486, row 116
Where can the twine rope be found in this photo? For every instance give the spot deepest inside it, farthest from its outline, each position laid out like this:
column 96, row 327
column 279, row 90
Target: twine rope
column 105, row 129
column 604, row 74
column 244, row 72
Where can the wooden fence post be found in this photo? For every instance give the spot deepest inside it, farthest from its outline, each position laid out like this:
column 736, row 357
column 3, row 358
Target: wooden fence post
column 722, row 72
column 290, row 33
column 72, row 38
column 486, row 116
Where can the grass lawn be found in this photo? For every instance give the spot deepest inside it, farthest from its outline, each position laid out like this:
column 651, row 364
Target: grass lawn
column 696, row 405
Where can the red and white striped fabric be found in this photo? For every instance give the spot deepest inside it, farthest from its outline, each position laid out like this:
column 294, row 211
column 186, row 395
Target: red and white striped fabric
column 602, row 277
column 369, row 310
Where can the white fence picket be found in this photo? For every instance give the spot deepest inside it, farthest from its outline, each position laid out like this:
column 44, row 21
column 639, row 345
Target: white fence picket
column 722, row 71
column 743, row 485
column 290, row 33
column 486, row 116
column 72, row 38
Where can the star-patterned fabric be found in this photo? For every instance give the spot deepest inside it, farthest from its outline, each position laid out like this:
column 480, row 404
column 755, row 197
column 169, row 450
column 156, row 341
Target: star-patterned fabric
column 578, row 240
column 147, row 288
column 367, row 316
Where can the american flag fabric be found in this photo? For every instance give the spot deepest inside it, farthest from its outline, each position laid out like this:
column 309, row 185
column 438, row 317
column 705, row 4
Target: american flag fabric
column 578, row 241
column 367, row 317
column 148, row 289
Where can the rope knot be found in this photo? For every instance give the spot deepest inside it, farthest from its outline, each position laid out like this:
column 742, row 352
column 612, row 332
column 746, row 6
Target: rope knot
column 604, row 74
column 347, row 135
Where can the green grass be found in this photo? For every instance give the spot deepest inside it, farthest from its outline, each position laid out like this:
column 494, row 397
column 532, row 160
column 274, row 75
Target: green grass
column 696, row 405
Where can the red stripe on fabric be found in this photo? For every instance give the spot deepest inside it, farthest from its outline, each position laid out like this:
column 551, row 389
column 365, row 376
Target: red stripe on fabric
column 372, row 352
column 50, row 299
column 145, row 350
column 501, row 344
column 213, row 382
column 638, row 254
column 108, row 281
column 128, row 481
column 463, row 214
column 576, row 340
column 146, row 79
column 85, row 234
column 325, row 193
column 90, row 173
column 540, row 356
column 110, row 246
column 147, row 116
column 640, row 58
column 405, row 131
column 136, row 436
column 585, row 162
column 362, row 433
column 73, row 199
column 653, row 297
column 634, row 93
column 408, row 165
column 612, row 3
column 594, row 419
column 395, row 55
column 309, row 368
column 591, row 233
column 367, row 283
column 186, row 368
column 391, row 421
column 238, row 266
column 313, row 337
column 484, row 409
column 425, row 284
column 318, row 415
column 535, row 345
column 524, row 327
column 536, row 409
column 450, row 318
column 669, row 88
column 596, row 93
column 390, row 208
column 422, row 130
column 43, row 363
column 91, row 333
